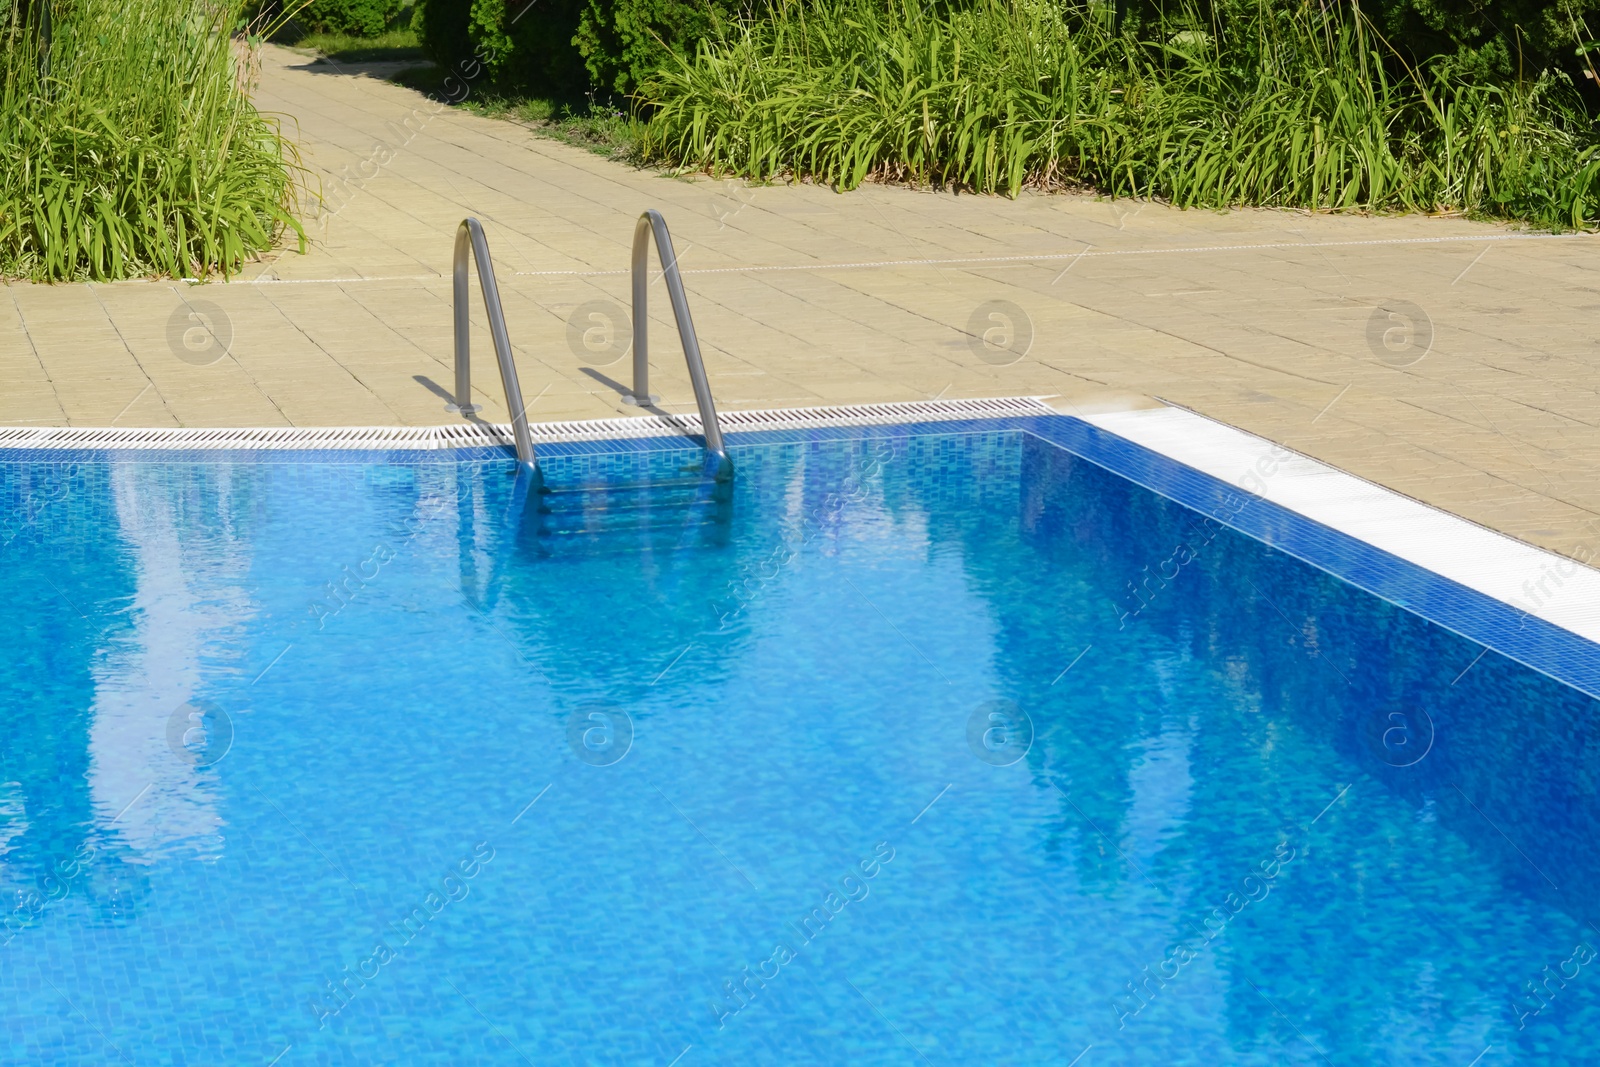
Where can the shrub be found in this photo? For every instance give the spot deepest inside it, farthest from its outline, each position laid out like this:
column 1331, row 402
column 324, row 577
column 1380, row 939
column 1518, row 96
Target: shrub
column 358, row 18
column 565, row 47
column 442, row 30
column 521, row 47
column 1486, row 39
column 623, row 42
column 139, row 151
column 1283, row 107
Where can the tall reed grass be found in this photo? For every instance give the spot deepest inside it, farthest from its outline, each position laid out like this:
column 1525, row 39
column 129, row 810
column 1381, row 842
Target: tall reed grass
column 1272, row 105
column 130, row 145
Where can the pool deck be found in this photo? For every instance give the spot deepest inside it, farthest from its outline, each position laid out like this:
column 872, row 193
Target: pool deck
column 1451, row 361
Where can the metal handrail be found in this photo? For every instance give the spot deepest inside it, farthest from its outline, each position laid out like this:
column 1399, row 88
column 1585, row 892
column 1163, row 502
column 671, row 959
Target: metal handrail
column 652, row 224
column 471, row 233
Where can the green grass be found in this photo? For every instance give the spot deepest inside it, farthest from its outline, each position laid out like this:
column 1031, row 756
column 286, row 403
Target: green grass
column 398, row 44
column 140, row 152
column 607, row 130
column 604, row 130
column 1276, row 106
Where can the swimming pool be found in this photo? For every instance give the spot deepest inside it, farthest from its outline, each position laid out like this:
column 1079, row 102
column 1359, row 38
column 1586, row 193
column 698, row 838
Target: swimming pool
column 945, row 743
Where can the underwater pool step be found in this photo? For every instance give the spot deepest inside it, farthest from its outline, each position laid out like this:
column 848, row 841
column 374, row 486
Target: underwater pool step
column 632, row 514
column 677, row 506
column 606, row 529
column 661, row 485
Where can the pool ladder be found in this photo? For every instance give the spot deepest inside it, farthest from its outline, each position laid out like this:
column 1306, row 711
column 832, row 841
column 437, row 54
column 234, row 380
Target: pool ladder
column 469, row 236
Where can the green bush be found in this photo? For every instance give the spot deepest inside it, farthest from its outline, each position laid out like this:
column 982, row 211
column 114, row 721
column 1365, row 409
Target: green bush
column 566, row 47
column 623, row 42
column 1272, row 106
column 524, row 47
column 442, row 29
column 1427, row 105
column 139, row 151
column 1486, row 39
column 358, row 18
column 1481, row 40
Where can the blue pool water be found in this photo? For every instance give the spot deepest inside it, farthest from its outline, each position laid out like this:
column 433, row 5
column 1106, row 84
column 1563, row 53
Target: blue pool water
column 935, row 747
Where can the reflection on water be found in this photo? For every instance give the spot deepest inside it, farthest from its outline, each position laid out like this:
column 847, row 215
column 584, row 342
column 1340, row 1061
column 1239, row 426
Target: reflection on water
column 189, row 559
column 63, row 588
column 139, row 590
column 1259, row 817
column 1443, row 879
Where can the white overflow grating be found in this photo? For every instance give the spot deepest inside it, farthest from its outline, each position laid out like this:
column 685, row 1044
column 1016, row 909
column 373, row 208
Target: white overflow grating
column 471, row 435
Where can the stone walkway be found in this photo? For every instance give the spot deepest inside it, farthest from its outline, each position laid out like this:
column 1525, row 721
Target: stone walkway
column 1452, row 361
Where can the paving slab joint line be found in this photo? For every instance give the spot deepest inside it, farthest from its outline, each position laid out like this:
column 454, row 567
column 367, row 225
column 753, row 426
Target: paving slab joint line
column 945, row 262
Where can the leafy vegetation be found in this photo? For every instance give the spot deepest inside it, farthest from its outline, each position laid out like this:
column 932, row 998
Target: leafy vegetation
column 515, row 47
column 623, row 42
column 604, row 129
column 390, row 45
column 128, row 144
column 1287, row 106
column 355, row 18
column 566, row 48
column 350, row 31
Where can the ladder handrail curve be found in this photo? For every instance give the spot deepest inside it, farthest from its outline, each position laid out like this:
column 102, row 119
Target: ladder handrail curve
column 469, row 235
column 651, row 224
